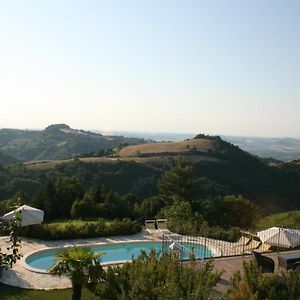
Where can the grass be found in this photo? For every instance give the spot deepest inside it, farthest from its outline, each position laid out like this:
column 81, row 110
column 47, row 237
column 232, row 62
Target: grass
column 290, row 219
column 44, row 164
column 13, row 293
column 50, row 164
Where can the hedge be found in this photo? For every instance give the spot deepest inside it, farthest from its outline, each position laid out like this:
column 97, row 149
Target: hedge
column 82, row 229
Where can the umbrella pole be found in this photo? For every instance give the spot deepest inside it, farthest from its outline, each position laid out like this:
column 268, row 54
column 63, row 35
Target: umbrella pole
column 280, row 230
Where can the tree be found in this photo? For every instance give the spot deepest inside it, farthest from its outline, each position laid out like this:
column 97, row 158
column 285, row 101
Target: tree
column 58, row 192
column 67, row 190
column 178, row 181
column 149, row 207
column 228, row 211
column 12, row 254
column 81, row 265
column 84, row 207
column 181, row 218
column 240, row 211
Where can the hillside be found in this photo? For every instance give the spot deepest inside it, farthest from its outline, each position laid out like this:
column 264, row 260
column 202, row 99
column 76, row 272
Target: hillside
column 56, row 142
column 7, row 159
column 272, row 188
column 219, row 168
column 278, row 148
column 193, row 150
column 283, row 149
column 289, row 219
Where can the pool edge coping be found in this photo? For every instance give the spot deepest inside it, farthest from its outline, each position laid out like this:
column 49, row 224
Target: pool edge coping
column 45, row 271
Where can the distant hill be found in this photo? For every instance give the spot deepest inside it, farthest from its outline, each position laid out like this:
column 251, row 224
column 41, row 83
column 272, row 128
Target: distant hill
column 57, row 141
column 156, row 136
column 278, row 148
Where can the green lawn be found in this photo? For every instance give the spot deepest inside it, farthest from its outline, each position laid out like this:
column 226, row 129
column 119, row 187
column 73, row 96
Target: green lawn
column 289, row 219
column 12, row 293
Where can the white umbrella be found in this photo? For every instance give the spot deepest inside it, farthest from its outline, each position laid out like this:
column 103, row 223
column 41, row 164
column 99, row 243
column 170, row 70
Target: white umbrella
column 29, row 215
column 280, row 237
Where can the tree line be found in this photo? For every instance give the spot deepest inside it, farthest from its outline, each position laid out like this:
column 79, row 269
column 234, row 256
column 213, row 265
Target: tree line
column 214, row 213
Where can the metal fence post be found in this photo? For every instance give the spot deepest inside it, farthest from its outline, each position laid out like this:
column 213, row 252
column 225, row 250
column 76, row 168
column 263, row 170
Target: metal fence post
column 243, row 239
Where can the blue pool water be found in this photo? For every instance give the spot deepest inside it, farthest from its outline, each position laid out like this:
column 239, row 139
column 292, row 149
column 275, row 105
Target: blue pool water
column 116, row 252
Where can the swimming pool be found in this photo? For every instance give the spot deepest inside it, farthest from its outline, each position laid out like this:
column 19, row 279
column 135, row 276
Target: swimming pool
column 43, row 260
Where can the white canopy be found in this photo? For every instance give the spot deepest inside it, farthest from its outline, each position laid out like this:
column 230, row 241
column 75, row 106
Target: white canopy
column 280, row 237
column 30, row 215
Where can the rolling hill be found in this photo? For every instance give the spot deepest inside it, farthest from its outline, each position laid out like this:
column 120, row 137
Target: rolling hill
column 193, row 150
column 283, row 148
column 218, row 166
column 56, row 142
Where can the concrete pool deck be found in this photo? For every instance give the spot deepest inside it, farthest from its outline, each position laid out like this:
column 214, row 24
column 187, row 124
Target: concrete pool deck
column 21, row 277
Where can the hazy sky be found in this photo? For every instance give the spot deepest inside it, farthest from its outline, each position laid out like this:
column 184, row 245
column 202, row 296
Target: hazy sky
column 217, row 67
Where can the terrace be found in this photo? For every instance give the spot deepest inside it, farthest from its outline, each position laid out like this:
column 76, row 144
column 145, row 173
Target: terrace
column 231, row 265
column 229, row 257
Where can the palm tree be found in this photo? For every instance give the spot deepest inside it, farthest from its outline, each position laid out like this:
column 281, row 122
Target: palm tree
column 81, row 265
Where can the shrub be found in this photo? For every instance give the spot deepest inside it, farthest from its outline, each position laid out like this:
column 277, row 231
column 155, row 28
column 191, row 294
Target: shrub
column 153, row 277
column 252, row 284
column 11, row 254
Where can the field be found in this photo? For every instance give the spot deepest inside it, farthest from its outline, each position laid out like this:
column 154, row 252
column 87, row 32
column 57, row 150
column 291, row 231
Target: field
column 50, row 164
column 203, row 145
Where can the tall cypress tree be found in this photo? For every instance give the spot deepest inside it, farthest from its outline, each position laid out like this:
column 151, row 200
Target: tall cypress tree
column 177, row 182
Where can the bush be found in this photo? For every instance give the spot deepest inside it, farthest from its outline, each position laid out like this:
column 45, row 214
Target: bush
column 160, row 278
column 81, row 229
column 11, row 254
column 219, row 233
column 253, row 285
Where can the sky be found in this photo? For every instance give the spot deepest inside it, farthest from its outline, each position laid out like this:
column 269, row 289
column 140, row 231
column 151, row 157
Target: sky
column 216, row 67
